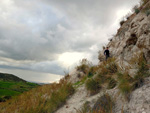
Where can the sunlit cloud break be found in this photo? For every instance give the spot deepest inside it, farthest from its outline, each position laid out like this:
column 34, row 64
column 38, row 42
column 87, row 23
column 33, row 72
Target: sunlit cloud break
column 50, row 36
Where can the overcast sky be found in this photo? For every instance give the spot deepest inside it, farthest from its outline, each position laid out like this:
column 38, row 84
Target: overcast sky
column 48, row 37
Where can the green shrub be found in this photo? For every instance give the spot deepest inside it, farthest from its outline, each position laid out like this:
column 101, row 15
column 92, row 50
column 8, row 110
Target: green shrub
column 137, row 11
column 92, row 71
column 147, row 12
column 92, row 85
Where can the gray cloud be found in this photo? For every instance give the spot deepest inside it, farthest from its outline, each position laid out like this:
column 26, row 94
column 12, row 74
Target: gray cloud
column 39, row 31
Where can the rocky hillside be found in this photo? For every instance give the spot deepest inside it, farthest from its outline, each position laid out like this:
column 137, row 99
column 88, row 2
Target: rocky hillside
column 133, row 37
column 131, row 49
column 119, row 85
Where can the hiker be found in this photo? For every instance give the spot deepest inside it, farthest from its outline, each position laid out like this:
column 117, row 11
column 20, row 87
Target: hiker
column 106, row 53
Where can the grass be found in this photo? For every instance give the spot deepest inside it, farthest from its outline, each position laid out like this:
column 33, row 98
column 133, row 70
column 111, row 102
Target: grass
column 144, row 1
column 104, row 104
column 103, row 75
column 147, row 12
column 92, row 71
column 146, row 8
column 84, row 66
column 136, row 9
column 92, row 85
column 126, row 83
column 14, row 88
column 109, row 67
column 112, row 83
column 43, row 99
column 102, row 78
column 85, row 108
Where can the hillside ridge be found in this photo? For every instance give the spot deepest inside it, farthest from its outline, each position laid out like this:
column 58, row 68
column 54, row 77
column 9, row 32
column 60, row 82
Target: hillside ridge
column 10, row 77
column 120, row 84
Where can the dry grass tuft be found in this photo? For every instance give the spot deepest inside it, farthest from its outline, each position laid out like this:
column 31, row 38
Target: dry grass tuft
column 92, row 85
column 44, row 99
column 109, row 67
column 103, row 105
column 84, row 66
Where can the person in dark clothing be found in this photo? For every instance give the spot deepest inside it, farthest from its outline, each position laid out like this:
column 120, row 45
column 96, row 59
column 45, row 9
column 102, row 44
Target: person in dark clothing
column 106, row 53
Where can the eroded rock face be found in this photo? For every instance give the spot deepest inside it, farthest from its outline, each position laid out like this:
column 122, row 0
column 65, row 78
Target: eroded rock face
column 133, row 37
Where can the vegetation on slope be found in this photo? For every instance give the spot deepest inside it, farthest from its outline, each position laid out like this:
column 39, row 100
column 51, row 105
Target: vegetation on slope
column 107, row 75
column 11, row 85
column 10, row 89
column 104, row 104
column 44, row 99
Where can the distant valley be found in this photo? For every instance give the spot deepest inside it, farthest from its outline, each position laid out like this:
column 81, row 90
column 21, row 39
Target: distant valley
column 11, row 85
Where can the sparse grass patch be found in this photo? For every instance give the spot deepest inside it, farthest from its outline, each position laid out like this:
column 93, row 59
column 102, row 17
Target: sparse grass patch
column 125, row 87
column 125, row 84
column 147, row 12
column 81, row 82
column 85, row 108
column 138, row 82
column 139, row 61
column 112, row 83
column 101, row 79
column 103, row 105
column 109, row 67
column 144, row 1
column 146, row 7
column 92, row 85
column 84, row 66
column 92, row 71
column 44, row 99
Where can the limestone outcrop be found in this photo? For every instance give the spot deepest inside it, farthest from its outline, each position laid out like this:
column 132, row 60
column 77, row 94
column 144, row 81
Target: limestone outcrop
column 132, row 39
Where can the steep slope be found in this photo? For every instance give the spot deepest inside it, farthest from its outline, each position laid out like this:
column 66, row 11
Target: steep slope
column 109, row 87
column 131, row 40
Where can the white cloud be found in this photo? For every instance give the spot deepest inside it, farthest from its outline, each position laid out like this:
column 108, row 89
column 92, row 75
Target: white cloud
column 49, row 35
column 70, row 58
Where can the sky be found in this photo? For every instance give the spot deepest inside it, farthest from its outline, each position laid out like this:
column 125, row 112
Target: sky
column 40, row 40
